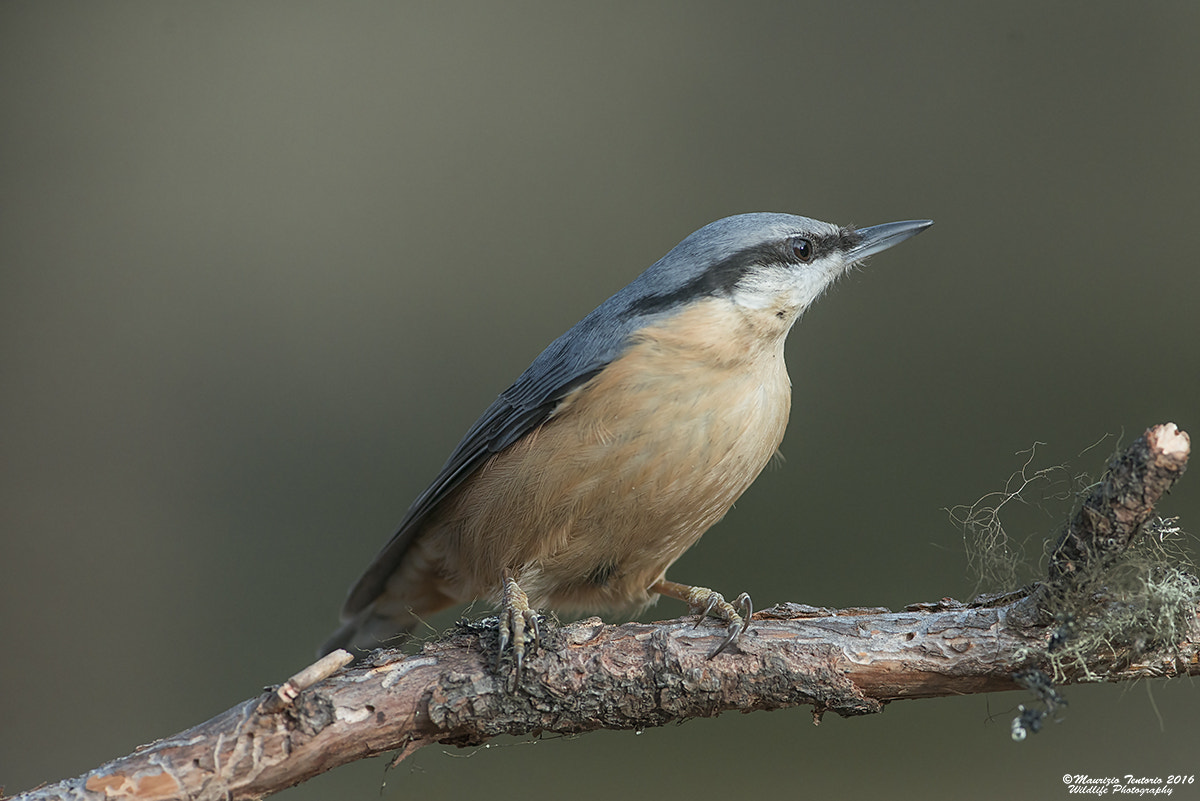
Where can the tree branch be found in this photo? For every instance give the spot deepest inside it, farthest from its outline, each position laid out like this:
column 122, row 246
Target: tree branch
column 1116, row 511
column 588, row 675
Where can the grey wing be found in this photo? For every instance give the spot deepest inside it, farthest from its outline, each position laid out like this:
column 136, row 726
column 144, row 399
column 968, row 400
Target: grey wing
column 568, row 363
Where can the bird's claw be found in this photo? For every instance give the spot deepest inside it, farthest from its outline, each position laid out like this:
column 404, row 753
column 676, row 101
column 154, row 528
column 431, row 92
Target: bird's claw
column 738, row 623
column 710, row 603
column 714, row 598
column 515, row 618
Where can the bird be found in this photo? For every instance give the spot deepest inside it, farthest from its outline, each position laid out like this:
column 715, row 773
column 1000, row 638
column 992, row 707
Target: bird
column 625, row 440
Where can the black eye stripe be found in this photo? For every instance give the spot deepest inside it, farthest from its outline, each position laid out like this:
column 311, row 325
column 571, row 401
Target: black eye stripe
column 723, row 275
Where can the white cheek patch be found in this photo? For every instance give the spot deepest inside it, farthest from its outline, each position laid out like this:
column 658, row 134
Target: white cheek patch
column 761, row 288
column 791, row 286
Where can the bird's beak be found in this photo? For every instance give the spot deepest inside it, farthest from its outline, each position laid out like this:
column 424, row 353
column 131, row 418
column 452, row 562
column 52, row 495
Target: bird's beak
column 882, row 237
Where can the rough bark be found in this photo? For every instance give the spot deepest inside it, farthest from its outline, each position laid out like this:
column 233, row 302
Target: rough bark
column 589, row 675
column 1113, row 514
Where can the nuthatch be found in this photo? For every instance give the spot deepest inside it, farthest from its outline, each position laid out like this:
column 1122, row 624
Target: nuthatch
column 622, row 443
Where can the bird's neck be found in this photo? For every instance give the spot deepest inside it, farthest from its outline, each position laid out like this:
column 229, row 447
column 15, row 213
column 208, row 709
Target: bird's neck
column 724, row 335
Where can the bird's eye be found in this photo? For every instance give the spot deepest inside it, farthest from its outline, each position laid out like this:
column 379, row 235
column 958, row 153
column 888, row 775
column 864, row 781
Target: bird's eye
column 802, row 249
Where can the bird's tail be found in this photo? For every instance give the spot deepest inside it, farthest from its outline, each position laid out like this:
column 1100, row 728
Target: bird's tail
column 369, row 630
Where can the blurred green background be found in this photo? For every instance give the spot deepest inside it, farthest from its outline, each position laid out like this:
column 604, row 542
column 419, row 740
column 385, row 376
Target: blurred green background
column 262, row 264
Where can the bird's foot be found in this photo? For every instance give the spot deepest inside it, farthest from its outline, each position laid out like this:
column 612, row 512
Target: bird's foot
column 710, row 603
column 516, row 617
